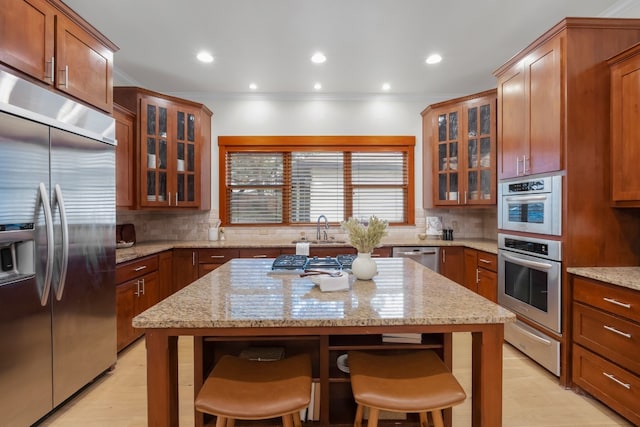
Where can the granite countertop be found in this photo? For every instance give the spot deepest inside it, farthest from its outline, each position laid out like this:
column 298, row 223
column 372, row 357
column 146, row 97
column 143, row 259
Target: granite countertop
column 246, row 293
column 149, row 248
column 628, row 277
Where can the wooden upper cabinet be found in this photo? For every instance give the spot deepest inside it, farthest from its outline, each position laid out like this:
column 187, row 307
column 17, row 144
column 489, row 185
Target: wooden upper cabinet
column 26, row 37
column 49, row 42
column 125, row 157
column 625, row 128
column 460, row 139
column 84, row 66
column 530, row 102
column 173, row 150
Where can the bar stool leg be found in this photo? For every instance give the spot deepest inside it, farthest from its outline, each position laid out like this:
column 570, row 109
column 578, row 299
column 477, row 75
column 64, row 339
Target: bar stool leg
column 424, row 420
column 358, row 420
column 297, row 422
column 221, row 421
column 287, row 420
column 437, row 418
column 374, row 413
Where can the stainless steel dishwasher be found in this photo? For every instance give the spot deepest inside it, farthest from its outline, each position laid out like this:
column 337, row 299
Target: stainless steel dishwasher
column 429, row 256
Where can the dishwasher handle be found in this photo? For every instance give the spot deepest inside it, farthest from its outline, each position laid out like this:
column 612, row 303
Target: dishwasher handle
column 415, row 253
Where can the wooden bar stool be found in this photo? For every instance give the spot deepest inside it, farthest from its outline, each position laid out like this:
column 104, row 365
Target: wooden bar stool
column 415, row 382
column 254, row 390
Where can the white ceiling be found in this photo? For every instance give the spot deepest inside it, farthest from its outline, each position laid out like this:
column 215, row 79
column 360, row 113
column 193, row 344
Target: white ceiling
column 367, row 42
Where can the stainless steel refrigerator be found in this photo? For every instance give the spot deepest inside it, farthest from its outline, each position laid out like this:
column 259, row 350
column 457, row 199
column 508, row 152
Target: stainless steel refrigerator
column 57, row 249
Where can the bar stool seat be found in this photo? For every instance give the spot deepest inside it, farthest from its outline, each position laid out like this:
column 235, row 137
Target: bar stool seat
column 413, row 382
column 253, row 390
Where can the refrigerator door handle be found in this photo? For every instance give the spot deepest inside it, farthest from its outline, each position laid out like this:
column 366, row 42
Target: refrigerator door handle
column 65, row 241
column 43, row 199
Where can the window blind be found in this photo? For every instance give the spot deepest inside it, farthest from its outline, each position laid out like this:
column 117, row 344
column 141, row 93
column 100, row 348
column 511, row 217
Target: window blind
column 295, row 185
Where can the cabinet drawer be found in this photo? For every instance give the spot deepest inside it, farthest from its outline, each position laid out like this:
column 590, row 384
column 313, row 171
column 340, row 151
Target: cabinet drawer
column 614, row 386
column 136, row 268
column 614, row 299
column 259, row 253
column 488, row 261
column 216, row 256
column 612, row 337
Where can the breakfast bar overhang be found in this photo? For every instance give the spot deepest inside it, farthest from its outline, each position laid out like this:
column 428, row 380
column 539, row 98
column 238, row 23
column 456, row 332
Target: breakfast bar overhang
column 245, row 298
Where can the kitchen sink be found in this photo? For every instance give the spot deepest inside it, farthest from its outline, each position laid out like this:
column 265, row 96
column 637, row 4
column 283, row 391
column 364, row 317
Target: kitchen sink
column 320, row 242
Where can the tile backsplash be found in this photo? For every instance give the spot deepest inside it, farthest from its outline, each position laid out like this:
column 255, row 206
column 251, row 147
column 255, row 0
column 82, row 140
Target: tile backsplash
column 152, row 226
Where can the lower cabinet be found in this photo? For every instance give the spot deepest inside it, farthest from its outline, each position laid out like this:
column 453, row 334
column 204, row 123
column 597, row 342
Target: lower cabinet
column 210, row 259
column 137, row 288
column 452, row 263
column 481, row 273
column 185, row 267
column 606, row 344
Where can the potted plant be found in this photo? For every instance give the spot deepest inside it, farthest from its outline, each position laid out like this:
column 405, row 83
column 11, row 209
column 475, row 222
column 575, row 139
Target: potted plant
column 365, row 237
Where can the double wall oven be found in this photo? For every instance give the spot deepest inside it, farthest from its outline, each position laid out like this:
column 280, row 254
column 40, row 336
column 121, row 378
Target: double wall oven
column 530, row 267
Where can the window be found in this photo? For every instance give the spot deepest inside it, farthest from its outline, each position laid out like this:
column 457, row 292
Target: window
column 293, row 180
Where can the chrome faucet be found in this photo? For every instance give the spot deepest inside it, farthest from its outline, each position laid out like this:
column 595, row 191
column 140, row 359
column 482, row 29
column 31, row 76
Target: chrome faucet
column 326, row 227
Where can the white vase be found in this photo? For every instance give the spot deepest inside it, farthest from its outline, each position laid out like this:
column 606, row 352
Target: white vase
column 363, row 267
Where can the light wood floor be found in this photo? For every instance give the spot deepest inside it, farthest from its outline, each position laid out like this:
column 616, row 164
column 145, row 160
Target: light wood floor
column 532, row 396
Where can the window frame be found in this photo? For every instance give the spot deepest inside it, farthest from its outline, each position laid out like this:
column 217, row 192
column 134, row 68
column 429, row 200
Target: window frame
column 266, row 144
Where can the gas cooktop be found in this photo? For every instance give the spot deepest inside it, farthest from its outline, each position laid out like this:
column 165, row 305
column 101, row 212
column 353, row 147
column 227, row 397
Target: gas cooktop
column 302, row 262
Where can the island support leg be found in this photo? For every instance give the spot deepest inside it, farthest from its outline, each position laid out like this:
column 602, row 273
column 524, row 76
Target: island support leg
column 162, row 379
column 486, row 409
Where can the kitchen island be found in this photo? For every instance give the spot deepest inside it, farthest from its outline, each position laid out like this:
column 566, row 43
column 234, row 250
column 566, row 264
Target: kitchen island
column 244, row 298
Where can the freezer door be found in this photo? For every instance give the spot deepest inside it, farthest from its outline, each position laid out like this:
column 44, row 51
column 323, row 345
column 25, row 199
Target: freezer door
column 83, row 289
column 25, row 324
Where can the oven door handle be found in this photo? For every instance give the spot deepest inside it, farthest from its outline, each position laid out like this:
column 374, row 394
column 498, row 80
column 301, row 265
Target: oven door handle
column 532, row 336
column 526, row 198
column 527, row 263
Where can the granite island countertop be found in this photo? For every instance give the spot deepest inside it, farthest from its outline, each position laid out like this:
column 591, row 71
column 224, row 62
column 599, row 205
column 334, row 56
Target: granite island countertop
column 628, row 277
column 149, row 248
column 246, row 293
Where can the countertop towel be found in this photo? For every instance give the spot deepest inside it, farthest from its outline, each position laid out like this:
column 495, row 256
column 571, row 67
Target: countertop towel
column 302, row 248
column 330, row 284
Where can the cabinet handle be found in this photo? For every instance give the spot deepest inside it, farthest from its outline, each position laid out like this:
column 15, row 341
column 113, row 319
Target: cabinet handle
column 193, row 258
column 613, row 378
column 378, row 255
column 465, row 197
column 444, row 256
column 176, row 198
column 615, row 331
column 486, row 261
column 616, row 302
column 517, row 166
column 52, row 70
column 142, row 267
column 139, row 287
column 259, row 256
column 218, row 256
column 66, row 76
column 525, row 158
column 477, row 275
column 142, row 284
column 169, row 198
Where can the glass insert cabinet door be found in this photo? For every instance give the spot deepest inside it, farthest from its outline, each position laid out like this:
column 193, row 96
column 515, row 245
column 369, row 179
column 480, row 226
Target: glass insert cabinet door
column 185, row 156
column 154, row 153
column 447, row 156
column 480, row 171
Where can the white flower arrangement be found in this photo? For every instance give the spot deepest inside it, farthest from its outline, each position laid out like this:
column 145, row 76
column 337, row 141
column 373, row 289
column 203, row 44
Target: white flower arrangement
column 365, row 237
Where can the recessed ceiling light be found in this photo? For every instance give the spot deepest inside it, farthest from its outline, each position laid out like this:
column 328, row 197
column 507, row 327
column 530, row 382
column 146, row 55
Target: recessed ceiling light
column 386, row 86
column 318, row 58
column 253, row 86
column 317, row 86
column 205, row 57
column 433, row 59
